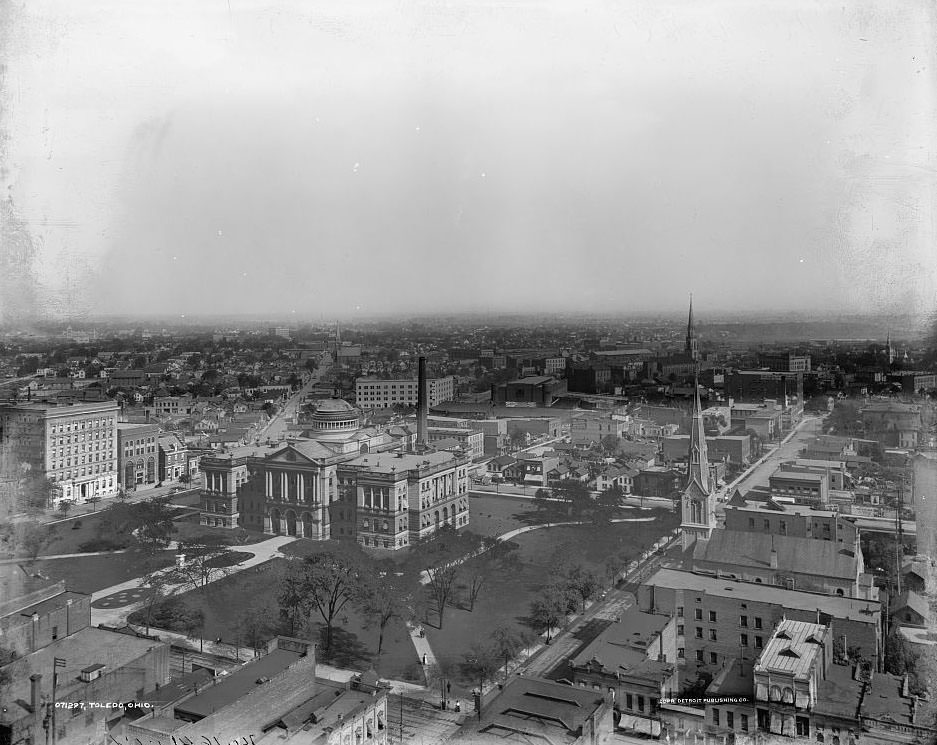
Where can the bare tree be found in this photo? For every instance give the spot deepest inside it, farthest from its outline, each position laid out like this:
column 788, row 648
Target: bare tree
column 507, row 642
column 206, row 559
column 441, row 584
column 332, row 580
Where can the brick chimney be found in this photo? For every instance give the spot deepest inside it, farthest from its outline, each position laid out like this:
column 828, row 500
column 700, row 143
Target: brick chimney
column 421, row 406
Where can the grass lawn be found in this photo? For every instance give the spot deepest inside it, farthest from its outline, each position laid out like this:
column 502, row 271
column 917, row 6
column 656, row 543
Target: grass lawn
column 66, row 539
column 494, row 516
column 93, row 573
column 505, row 599
column 226, row 602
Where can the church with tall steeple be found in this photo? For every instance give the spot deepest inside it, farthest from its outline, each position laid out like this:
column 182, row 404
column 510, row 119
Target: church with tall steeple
column 699, row 500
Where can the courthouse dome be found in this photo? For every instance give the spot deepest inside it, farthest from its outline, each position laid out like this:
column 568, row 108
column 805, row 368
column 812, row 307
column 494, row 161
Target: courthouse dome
column 335, row 416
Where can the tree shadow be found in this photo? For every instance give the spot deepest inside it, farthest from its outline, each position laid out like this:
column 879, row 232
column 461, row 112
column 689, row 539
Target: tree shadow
column 346, row 651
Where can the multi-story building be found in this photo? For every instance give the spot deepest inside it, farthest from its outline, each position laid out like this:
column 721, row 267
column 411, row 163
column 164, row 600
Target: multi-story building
column 914, row 382
column 374, row 393
column 589, row 430
column 399, row 498
column 138, row 455
column 763, row 419
column 49, row 629
column 173, row 458
column 720, row 619
column 222, row 479
column 634, row 660
column 73, row 445
column 759, row 513
column 473, row 441
column 894, row 423
column 804, row 487
column 786, row 362
column 538, row 390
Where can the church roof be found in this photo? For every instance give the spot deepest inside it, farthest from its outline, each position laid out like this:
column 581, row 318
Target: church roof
column 797, row 555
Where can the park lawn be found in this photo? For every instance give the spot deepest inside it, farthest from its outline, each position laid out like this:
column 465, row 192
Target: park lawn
column 188, row 528
column 496, row 515
column 227, row 601
column 505, row 598
column 66, row 539
column 93, row 573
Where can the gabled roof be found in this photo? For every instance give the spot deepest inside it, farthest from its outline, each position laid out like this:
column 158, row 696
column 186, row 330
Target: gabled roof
column 910, row 599
column 797, row 555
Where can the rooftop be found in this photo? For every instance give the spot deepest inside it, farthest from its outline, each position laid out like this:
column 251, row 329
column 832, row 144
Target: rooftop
column 90, row 646
column 793, row 649
column 623, row 645
column 399, row 462
column 855, row 609
column 751, row 549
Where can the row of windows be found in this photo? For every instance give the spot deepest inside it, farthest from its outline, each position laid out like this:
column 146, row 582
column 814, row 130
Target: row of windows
column 80, row 425
column 698, row 615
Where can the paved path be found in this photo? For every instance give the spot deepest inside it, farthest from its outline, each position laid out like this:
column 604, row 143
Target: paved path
column 263, row 551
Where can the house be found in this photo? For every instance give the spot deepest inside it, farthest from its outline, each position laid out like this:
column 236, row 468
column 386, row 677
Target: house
column 620, row 476
column 496, row 466
column 911, row 609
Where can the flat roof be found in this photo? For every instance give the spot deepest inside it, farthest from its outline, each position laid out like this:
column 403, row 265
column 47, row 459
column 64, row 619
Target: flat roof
column 85, row 648
column 623, row 644
column 399, row 462
column 797, row 476
column 854, row 609
column 232, row 687
column 838, row 693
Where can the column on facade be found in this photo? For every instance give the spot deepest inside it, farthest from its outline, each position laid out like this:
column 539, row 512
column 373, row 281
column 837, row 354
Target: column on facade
column 302, row 486
column 283, row 524
column 268, row 524
column 268, row 484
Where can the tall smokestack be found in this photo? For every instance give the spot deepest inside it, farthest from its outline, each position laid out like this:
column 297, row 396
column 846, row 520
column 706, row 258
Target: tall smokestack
column 421, row 406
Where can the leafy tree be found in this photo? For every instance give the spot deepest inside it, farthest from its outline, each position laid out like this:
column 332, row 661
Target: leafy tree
column 518, row 439
column 388, row 594
column 575, row 494
column 332, row 580
column 65, row 506
column 541, row 500
column 33, row 538
column 610, row 444
column 480, row 663
column 507, row 642
column 290, row 596
column 584, row 583
column 254, row 628
column 549, row 609
column 900, row 657
column 441, row 584
column 160, row 582
column 607, row 504
column 206, row 559
column 494, row 555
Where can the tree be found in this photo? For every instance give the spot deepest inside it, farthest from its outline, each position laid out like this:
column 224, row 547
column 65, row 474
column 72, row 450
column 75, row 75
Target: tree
column 441, row 583
column 607, row 504
column 290, row 597
column 480, row 663
column 332, row 580
column 94, row 502
column 206, row 559
column 549, row 608
column 518, row 439
column 386, row 594
column 541, row 500
column 584, row 583
column 64, row 506
column 151, row 523
column 254, row 628
column 439, row 674
column 610, row 444
column 493, row 555
column 575, row 494
column 191, row 620
column 33, row 538
column 159, row 581
column 507, row 642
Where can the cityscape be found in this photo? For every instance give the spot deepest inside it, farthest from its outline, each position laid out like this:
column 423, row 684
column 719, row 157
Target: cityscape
column 531, row 372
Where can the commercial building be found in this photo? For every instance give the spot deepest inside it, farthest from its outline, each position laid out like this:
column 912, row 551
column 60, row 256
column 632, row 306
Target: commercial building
column 534, row 710
column 592, row 430
column 786, row 362
column 374, row 393
column 473, row 441
column 138, row 455
column 540, row 390
column 914, row 382
column 634, row 661
column 73, row 445
column 173, row 459
column 804, row 487
column 722, row 619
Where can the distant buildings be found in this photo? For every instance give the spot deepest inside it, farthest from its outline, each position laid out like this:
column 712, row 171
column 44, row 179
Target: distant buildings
column 138, row 455
column 371, row 393
column 534, row 391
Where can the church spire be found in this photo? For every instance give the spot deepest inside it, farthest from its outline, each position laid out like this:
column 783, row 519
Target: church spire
column 698, row 470
column 692, row 348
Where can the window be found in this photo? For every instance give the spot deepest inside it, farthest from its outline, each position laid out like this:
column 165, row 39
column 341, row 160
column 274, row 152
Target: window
column 743, row 640
column 699, row 614
column 712, row 616
column 759, row 642
column 629, row 701
column 767, row 525
column 712, row 635
column 751, row 522
column 680, row 630
column 55, row 633
column 699, row 655
column 681, row 653
column 757, row 622
column 716, row 717
column 679, row 611
column 713, row 658
column 803, row 726
column 640, row 703
column 764, row 719
column 743, row 722
column 730, row 719
column 743, row 622
column 699, row 632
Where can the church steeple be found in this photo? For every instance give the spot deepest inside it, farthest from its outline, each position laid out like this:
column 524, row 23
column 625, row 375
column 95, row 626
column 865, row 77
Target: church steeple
column 692, row 346
column 698, row 504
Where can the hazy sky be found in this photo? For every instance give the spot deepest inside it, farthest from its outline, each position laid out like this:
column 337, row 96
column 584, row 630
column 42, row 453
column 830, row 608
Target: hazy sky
column 246, row 156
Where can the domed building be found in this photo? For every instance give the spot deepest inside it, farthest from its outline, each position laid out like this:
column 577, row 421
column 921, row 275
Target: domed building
column 334, row 419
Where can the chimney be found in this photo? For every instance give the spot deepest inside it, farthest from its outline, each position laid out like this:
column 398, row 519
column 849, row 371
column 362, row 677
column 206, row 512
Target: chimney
column 35, row 690
column 421, row 406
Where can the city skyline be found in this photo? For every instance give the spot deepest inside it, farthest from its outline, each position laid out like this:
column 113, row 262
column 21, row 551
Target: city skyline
column 413, row 160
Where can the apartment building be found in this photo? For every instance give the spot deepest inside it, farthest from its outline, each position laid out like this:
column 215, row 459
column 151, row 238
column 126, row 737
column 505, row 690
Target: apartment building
column 374, row 393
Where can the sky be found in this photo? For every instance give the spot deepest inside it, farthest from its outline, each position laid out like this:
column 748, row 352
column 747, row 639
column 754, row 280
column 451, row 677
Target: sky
column 245, row 156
